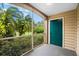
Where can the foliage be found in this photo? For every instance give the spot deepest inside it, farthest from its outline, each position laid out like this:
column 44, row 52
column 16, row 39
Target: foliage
column 17, row 46
column 14, row 23
column 38, row 39
column 12, row 20
column 39, row 29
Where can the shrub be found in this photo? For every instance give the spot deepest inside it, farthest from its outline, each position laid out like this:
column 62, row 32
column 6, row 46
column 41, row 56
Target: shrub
column 15, row 47
column 39, row 29
column 38, row 39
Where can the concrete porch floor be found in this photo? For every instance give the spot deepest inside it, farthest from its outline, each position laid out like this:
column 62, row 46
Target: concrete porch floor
column 50, row 50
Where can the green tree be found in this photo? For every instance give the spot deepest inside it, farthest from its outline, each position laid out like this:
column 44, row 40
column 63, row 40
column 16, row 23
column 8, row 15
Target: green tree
column 38, row 27
column 13, row 21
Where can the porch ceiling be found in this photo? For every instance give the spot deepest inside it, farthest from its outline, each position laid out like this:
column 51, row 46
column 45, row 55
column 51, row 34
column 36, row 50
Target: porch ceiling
column 54, row 8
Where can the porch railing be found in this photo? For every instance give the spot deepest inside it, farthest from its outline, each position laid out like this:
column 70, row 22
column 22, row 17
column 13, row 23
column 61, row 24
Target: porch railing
column 15, row 46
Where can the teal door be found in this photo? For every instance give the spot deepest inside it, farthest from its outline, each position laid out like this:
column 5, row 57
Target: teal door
column 56, row 32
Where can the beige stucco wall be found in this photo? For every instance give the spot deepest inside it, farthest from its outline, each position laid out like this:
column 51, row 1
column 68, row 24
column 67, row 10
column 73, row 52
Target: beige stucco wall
column 70, row 28
column 78, row 30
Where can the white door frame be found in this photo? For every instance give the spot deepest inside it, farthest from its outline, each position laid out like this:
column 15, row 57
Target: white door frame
column 62, row 29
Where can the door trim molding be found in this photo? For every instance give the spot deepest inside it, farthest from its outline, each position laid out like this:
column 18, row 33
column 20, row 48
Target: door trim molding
column 62, row 29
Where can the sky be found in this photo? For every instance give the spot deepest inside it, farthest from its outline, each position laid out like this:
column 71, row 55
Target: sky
column 35, row 17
